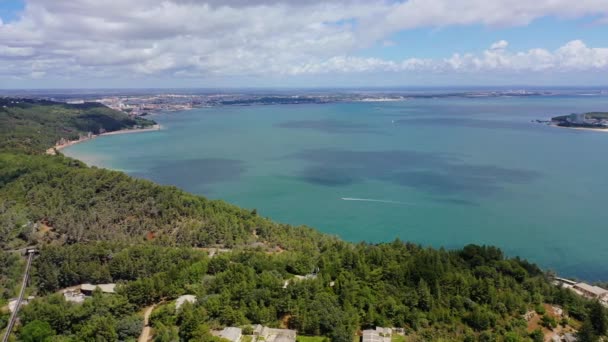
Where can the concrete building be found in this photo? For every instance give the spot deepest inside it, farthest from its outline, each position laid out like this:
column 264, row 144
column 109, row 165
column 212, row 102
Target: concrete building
column 73, row 296
column 590, row 291
column 370, row 336
column 384, row 332
column 87, row 289
column 583, row 289
column 231, row 333
column 273, row 335
column 377, row 335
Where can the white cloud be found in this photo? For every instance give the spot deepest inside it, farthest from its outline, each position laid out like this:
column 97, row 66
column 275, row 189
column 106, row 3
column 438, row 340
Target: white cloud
column 80, row 39
column 441, row 13
column 37, row 74
column 573, row 56
column 9, row 51
column 499, row 45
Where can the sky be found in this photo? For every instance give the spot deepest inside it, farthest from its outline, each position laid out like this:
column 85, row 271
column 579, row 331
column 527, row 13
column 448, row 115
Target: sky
column 303, row 43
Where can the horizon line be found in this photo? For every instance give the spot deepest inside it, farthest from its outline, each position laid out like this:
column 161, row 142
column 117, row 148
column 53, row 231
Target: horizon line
column 413, row 87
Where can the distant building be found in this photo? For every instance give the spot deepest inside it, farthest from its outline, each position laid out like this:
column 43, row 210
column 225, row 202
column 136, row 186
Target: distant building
column 87, row 289
column 231, row 333
column 583, row 289
column 274, row 335
column 377, row 335
column 384, row 332
column 590, row 291
column 371, row 336
column 73, row 296
column 563, row 282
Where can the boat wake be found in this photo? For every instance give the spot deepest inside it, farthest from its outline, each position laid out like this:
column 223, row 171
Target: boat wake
column 373, row 200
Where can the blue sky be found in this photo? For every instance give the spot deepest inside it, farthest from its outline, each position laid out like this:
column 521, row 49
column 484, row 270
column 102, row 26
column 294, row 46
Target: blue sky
column 225, row 43
column 9, row 9
column 546, row 32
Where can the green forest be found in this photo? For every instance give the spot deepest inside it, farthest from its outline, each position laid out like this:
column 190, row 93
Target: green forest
column 28, row 125
column 98, row 226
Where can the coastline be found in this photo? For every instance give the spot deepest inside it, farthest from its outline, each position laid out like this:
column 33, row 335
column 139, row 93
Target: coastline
column 58, row 147
column 604, row 130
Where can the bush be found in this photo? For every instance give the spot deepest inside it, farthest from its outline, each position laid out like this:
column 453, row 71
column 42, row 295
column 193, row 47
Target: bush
column 481, row 319
column 512, row 337
column 540, row 309
column 129, row 327
column 36, row 331
column 537, row 336
column 548, row 322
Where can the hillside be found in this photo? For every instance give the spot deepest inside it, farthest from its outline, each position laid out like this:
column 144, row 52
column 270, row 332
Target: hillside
column 32, row 126
column 76, row 203
column 99, row 226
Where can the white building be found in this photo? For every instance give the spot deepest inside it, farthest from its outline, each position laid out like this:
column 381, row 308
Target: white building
column 73, row 296
column 232, row 334
column 590, row 291
column 88, row 289
column 274, row 335
column 377, row 335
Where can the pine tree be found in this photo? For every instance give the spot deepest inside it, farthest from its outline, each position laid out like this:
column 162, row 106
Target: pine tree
column 425, row 301
column 587, row 333
column 597, row 316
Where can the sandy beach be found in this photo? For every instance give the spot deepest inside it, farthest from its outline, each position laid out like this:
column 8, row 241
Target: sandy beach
column 53, row 150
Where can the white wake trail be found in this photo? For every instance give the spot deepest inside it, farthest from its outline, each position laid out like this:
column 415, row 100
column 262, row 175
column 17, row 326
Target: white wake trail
column 373, row 200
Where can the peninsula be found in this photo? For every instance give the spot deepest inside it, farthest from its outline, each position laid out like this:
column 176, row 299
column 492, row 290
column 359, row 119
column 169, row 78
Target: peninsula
column 591, row 120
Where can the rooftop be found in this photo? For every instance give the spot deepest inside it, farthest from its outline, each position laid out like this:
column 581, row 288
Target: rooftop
column 231, row 333
column 371, row 336
column 276, row 335
column 105, row 288
column 597, row 291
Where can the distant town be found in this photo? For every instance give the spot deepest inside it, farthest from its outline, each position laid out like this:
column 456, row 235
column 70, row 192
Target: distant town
column 147, row 104
column 144, row 102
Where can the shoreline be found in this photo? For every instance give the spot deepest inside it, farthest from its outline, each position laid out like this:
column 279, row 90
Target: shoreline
column 605, row 130
column 58, row 147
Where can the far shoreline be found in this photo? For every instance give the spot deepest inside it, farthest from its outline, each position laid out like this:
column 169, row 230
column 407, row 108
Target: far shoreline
column 604, row 130
column 58, row 147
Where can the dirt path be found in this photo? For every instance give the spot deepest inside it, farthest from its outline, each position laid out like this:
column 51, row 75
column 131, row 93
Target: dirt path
column 145, row 333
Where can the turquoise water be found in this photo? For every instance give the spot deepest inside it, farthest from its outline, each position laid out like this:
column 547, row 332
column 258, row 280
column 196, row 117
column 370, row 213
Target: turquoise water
column 440, row 172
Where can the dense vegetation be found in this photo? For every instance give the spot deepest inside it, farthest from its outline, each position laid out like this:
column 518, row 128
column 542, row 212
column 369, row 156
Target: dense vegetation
column 469, row 294
column 102, row 226
column 56, row 198
column 585, row 120
column 36, row 125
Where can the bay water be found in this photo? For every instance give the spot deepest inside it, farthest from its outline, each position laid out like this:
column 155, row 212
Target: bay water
column 441, row 172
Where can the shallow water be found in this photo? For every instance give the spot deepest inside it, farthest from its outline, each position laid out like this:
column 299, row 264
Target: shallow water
column 440, row 172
